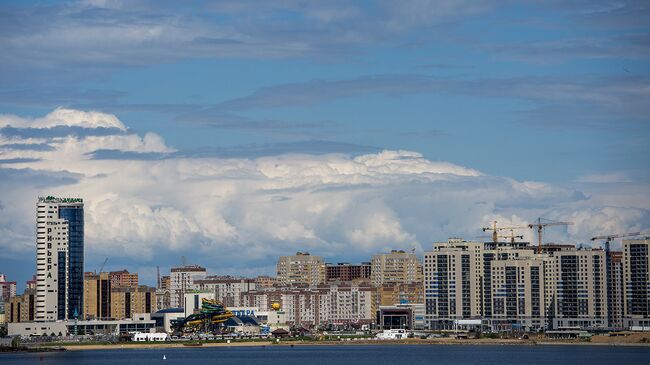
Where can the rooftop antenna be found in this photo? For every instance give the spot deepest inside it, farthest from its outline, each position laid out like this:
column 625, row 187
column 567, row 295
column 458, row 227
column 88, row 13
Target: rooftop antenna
column 158, row 276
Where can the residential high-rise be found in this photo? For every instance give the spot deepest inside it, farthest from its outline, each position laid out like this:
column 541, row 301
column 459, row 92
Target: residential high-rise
column 301, row 269
column 97, row 296
column 7, row 291
column 615, row 274
column 395, row 267
column 344, row 271
column 7, row 288
column 127, row 300
column 59, row 258
column 518, row 297
column 21, row 308
column 165, row 282
column 636, row 266
column 182, row 280
column 226, row 289
column 576, row 289
column 123, row 278
column 458, row 279
column 452, row 282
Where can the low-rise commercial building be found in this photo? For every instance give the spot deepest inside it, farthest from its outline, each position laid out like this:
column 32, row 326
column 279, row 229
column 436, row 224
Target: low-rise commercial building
column 137, row 323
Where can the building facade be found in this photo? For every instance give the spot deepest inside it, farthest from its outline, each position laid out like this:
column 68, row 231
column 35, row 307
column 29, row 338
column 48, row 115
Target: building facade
column 123, row 278
column 452, row 282
column 518, row 297
column 636, row 290
column 395, row 267
column 301, row 269
column 129, row 300
column 576, row 289
column 97, row 296
column 182, row 280
column 21, row 308
column 392, row 294
column 226, row 289
column 344, row 271
column 59, row 258
column 327, row 304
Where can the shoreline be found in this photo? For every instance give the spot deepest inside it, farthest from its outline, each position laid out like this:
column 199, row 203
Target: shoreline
column 446, row 342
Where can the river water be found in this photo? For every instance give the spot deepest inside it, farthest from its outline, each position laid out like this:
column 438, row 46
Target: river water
column 347, row 354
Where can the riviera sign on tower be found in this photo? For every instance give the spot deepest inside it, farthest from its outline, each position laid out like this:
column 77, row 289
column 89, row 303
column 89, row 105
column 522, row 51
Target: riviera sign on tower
column 59, row 258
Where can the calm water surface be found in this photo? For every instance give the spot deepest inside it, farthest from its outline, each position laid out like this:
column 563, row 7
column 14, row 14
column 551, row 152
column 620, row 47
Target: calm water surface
column 350, row 354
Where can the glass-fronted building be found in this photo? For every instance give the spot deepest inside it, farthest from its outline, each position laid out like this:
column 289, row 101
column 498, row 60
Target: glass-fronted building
column 59, row 258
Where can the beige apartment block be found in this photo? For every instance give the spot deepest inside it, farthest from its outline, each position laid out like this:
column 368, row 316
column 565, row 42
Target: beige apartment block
column 397, row 293
column 518, row 295
column 576, row 287
column 301, row 269
column 97, row 296
column 125, row 301
column 457, row 279
column 395, row 267
column 123, row 278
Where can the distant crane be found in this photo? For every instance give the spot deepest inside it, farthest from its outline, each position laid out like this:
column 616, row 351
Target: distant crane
column 512, row 236
column 540, row 227
column 495, row 231
column 102, row 267
column 609, row 238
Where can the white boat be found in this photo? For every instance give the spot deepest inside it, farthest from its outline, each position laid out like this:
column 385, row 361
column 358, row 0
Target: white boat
column 392, row 334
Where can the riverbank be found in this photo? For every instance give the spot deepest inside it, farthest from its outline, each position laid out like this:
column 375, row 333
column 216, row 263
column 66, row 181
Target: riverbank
column 437, row 341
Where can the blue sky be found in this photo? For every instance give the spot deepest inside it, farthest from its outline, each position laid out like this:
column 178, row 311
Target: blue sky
column 549, row 92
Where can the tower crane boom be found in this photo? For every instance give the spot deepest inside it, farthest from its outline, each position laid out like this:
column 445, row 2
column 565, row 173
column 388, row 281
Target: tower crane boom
column 495, row 231
column 609, row 238
column 540, row 227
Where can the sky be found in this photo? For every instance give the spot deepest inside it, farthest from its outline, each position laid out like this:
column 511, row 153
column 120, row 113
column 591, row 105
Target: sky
column 232, row 132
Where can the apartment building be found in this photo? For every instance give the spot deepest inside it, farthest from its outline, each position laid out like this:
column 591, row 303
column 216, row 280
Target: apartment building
column 301, row 269
column 227, row 289
column 395, row 267
column 182, row 280
column 344, row 271
column 518, row 297
column 123, row 278
column 576, row 289
column 636, row 290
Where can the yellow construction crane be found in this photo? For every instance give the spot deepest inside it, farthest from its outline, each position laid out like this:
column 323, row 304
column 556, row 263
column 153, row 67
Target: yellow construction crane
column 541, row 224
column 609, row 238
column 495, row 232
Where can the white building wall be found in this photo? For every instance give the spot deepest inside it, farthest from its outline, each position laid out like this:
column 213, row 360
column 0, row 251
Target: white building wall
column 51, row 238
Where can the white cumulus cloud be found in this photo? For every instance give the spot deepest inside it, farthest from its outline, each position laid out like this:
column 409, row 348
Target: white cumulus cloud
column 241, row 213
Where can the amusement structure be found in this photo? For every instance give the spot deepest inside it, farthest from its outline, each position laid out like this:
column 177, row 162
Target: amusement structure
column 211, row 316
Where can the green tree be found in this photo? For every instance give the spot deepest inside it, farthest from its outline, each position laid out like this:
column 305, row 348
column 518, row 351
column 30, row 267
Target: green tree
column 15, row 342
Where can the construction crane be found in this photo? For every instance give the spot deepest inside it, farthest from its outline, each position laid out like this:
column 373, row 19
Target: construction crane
column 512, row 236
column 102, row 267
column 609, row 238
column 540, row 227
column 495, row 231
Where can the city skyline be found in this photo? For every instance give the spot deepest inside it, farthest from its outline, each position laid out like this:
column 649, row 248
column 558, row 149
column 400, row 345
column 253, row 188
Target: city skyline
column 234, row 133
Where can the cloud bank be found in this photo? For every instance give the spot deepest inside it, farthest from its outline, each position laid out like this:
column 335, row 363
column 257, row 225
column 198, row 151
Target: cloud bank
column 240, row 213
